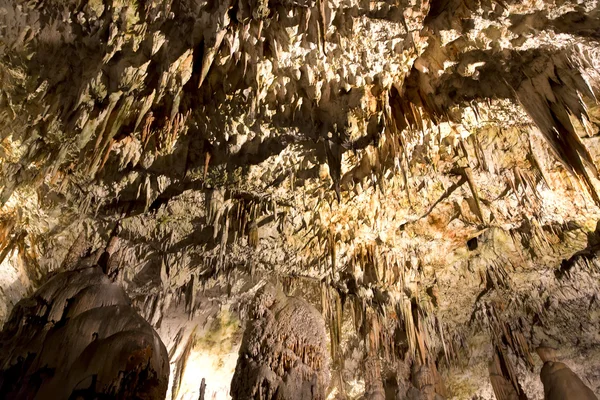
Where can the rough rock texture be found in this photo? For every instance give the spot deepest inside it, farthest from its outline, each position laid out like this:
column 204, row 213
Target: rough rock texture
column 77, row 336
column 425, row 172
column 284, row 351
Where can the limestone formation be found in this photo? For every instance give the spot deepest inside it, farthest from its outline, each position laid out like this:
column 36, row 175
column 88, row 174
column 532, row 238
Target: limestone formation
column 562, row 383
column 283, row 355
column 77, row 336
column 426, row 382
column 423, row 172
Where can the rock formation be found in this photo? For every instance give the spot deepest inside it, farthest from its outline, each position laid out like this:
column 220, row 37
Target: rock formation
column 284, row 354
column 77, row 336
column 561, row 383
column 423, row 172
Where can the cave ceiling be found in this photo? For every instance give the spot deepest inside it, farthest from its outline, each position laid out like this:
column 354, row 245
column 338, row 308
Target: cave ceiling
column 423, row 168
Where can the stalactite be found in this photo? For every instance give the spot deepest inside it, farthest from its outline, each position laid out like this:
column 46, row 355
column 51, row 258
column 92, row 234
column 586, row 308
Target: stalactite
column 503, row 331
column 549, row 98
column 331, row 306
column 503, row 377
column 171, row 130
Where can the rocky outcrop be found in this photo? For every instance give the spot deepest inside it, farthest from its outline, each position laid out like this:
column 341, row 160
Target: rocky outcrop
column 78, row 336
column 284, row 351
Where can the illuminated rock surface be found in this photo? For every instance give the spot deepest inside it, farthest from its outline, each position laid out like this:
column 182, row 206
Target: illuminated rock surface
column 422, row 172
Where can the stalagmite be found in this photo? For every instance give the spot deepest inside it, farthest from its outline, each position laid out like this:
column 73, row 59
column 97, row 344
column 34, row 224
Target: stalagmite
column 202, row 390
column 560, row 382
column 78, row 335
column 426, row 383
column 283, row 353
column 373, row 381
column 503, row 378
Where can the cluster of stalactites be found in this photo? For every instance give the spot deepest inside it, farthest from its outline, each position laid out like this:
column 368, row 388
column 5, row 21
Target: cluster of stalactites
column 554, row 97
column 378, row 325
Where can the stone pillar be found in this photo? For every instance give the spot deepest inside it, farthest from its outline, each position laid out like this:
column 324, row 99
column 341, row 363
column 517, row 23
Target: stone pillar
column 427, row 384
column 374, row 389
column 560, row 383
column 284, row 354
column 500, row 378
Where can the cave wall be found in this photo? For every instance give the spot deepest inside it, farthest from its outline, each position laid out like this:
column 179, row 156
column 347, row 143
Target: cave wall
column 422, row 172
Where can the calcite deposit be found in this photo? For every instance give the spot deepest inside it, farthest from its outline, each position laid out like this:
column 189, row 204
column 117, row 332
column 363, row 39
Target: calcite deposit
column 283, row 354
column 423, row 173
column 77, row 336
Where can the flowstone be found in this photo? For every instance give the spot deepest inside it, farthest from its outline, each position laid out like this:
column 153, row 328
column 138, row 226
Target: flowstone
column 77, row 337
